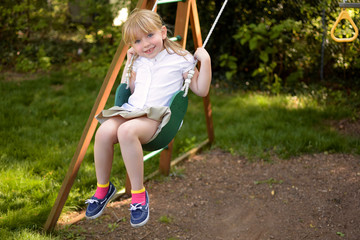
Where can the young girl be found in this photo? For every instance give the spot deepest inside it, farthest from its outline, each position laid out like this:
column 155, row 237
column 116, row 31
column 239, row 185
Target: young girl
column 157, row 73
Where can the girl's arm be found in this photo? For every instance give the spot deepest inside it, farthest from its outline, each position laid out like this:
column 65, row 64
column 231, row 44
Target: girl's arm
column 200, row 83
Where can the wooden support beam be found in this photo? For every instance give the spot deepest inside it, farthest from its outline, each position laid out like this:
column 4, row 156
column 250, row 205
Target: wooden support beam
column 182, row 21
column 147, row 4
column 196, row 32
column 127, row 185
column 195, row 25
column 208, row 117
column 165, row 159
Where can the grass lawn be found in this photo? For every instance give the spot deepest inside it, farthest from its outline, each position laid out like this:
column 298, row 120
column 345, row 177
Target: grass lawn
column 42, row 120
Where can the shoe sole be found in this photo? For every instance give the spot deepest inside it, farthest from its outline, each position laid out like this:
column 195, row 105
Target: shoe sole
column 101, row 212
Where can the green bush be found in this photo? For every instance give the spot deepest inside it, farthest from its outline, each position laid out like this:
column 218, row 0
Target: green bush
column 35, row 35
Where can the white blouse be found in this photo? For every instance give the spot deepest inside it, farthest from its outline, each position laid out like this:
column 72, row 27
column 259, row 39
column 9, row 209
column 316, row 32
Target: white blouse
column 157, row 79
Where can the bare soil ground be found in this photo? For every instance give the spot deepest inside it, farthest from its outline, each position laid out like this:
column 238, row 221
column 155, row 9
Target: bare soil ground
column 216, row 195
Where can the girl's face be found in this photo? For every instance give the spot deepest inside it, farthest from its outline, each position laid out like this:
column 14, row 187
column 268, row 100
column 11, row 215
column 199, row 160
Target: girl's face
column 150, row 44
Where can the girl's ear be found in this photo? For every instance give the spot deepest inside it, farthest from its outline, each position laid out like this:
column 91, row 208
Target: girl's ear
column 163, row 32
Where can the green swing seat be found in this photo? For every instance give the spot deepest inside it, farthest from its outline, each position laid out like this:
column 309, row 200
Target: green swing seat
column 178, row 107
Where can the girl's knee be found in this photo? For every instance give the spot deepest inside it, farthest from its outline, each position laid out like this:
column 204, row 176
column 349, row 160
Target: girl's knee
column 105, row 133
column 126, row 133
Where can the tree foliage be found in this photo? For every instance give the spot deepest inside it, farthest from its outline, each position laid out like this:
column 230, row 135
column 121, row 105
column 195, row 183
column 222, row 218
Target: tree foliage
column 272, row 44
column 268, row 44
column 34, row 34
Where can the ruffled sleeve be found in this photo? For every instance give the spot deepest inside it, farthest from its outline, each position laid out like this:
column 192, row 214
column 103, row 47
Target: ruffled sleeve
column 188, row 63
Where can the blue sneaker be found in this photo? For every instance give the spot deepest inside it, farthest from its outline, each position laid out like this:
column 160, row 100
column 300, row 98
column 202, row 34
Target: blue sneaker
column 139, row 213
column 96, row 206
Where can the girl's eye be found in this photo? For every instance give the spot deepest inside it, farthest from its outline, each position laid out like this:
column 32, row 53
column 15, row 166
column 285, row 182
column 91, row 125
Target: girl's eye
column 150, row 35
column 137, row 41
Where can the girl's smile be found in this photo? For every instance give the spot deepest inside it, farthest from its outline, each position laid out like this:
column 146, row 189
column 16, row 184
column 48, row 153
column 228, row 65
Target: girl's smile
column 150, row 50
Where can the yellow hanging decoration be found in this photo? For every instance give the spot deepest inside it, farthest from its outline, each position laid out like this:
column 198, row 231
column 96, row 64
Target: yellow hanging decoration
column 344, row 15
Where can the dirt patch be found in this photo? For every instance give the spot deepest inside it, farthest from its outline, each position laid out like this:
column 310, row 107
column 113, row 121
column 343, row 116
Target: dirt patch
column 219, row 196
column 348, row 126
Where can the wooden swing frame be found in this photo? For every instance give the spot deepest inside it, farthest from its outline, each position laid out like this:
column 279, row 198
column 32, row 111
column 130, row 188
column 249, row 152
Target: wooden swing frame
column 186, row 11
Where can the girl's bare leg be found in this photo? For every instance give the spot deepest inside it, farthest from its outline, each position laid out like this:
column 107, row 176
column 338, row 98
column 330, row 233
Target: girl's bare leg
column 105, row 138
column 131, row 134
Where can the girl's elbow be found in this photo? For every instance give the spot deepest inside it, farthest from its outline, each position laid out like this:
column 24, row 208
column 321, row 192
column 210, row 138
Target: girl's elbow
column 203, row 93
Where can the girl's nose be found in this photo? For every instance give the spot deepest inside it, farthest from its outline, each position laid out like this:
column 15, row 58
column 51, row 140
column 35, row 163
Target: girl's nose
column 145, row 43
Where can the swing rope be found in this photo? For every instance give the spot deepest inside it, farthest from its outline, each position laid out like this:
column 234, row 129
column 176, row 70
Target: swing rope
column 215, row 22
column 187, row 82
column 155, row 4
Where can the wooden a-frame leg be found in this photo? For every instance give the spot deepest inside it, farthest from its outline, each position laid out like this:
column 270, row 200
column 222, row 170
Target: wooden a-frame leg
column 165, row 159
column 127, row 185
column 196, row 32
column 195, row 25
column 208, row 116
column 182, row 21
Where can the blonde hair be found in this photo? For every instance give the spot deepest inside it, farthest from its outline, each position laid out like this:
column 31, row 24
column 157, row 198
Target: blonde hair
column 146, row 21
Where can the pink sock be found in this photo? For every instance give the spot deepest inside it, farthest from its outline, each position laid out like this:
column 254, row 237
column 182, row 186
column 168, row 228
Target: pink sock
column 138, row 198
column 101, row 192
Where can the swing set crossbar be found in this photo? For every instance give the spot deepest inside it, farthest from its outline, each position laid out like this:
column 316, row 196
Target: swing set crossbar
column 176, row 38
column 349, row 5
column 169, row 1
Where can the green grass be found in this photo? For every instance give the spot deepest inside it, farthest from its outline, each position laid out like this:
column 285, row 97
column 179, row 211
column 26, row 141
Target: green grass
column 258, row 126
column 42, row 119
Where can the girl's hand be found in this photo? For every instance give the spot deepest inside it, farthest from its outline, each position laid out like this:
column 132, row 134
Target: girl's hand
column 131, row 52
column 201, row 54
